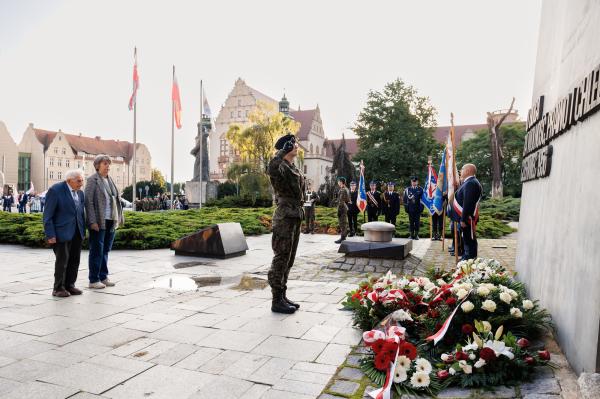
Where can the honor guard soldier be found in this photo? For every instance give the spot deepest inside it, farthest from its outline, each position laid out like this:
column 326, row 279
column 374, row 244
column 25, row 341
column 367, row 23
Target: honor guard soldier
column 391, row 204
column 466, row 206
column 288, row 186
column 353, row 210
column 310, row 198
column 343, row 201
column 373, row 202
column 413, row 206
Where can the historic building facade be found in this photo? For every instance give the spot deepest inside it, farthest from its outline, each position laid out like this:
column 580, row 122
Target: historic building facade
column 235, row 110
column 9, row 156
column 45, row 156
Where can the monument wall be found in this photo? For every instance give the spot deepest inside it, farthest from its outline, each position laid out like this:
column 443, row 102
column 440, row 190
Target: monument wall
column 558, row 252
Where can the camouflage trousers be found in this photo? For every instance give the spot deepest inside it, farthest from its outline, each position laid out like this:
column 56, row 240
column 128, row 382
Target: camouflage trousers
column 343, row 220
column 309, row 218
column 286, row 233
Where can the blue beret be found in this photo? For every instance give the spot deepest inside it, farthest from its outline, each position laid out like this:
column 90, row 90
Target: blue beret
column 283, row 140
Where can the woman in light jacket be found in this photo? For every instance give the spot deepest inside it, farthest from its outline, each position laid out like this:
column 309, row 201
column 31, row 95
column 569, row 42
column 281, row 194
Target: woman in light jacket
column 104, row 214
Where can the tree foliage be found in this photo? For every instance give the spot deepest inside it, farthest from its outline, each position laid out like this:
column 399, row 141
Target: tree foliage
column 342, row 167
column 477, row 151
column 254, row 140
column 395, row 133
column 158, row 177
column 153, row 189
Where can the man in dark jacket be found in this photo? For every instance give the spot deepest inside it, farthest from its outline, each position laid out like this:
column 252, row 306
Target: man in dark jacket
column 391, row 204
column 353, row 210
column 7, row 201
column 466, row 205
column 310, row 198
column 413, row 206
column 64, row 227
column 288, row 184
column 373, row 202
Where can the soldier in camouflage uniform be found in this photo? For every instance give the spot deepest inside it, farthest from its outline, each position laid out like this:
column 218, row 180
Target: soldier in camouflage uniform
column 342, row 208
column 288, row 185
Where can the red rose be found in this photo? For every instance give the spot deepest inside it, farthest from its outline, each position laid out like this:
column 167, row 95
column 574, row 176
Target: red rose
column 443, row 374
column 529, row 360
column 381, row 362
column 467, row 329
column 461, row 356
column 435, row 302
column 523, row 342
column 487, row 354
column 409, row 350
column 544, row 355
column 451, row 301
column 433, row 313
column 377, row 346
column 356, row 296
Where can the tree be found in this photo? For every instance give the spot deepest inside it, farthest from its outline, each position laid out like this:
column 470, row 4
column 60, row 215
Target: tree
column 158, row 177
column 153, row 189
column 236, row 170
column 254, row 141
column 395, row 133
column 477, row 151
column 494, row 121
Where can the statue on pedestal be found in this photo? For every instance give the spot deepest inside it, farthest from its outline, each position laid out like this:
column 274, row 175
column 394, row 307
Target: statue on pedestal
column 200, row 151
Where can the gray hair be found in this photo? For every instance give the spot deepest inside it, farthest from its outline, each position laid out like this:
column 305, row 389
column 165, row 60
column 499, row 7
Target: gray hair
column 99, row 159
column 73, row 174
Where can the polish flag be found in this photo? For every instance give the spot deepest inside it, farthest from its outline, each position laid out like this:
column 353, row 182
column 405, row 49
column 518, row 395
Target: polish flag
column 176, row 102
column 136, row 80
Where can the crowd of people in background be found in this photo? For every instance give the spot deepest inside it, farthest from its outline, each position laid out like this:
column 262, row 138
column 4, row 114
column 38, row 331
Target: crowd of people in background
column 161, row 202
column 23, row 202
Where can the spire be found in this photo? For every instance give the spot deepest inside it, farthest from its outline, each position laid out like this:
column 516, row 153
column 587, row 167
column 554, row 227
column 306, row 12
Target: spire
column 284, row 106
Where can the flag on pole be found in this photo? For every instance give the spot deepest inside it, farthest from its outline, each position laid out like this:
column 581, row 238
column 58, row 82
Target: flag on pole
column 451, row 163
column 31, row 189
column 430, row 189
column 176, row 102
column 441, row 187
column 136, row 80
column 361, row 199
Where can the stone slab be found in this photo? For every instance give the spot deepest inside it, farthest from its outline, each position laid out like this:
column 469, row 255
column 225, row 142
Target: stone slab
column 398, row 248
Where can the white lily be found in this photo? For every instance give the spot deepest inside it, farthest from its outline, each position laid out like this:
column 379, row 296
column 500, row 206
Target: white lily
column 499, row 348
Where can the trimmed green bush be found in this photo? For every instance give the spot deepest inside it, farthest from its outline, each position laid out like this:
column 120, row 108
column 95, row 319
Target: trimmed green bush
column 148, row 230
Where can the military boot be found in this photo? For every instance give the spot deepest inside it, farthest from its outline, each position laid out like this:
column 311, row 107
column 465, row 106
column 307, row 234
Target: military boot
column 342, row 238
column 279, row 305
column 289, row 302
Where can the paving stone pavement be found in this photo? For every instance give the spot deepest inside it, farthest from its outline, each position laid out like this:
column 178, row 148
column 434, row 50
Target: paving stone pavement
column 157, row 334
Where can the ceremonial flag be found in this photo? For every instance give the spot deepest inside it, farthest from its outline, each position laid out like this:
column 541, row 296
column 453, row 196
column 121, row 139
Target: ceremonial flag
column 361, row 199
column 176, row 101
column 451, row 164
column 430, row 188
column 441, row 187
column 136, row 81
column 31, row 189
column 205, row 107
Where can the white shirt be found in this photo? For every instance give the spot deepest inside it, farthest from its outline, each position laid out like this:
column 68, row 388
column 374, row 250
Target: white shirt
column 108, row 202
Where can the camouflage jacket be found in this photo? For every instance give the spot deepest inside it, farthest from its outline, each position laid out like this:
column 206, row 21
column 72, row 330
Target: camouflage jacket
column 288, row 184
column 343, row 198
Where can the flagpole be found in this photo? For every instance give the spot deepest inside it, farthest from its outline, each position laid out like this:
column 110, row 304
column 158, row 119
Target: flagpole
column 201, row 133
column 134, row 196
column 172, row 144
column 443, row 225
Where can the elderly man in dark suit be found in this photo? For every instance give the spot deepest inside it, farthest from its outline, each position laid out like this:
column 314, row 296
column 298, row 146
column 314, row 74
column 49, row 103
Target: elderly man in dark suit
column 466, row 205
column 64, row 227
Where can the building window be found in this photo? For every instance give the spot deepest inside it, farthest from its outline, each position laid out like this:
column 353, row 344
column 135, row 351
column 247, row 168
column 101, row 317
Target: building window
column 56, row 150
column 142, row 170
column 51, row 162
column 311, row 148
column 239, row 114
column 305, row 169
column 232, row 114
column 64, row 151
column 317, row 150
column 59, row 161
column 239, row 102
column 24, row 177
column 246, row 113
column 51, row 175
column 78, row 164
column 59, row 175
column 321, row 169
column 224, row 150
column 67, row 163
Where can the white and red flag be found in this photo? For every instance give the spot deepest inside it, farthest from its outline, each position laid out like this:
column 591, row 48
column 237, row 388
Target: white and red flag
column 361, row 198
column 136, row 80
column 176, row 101
column 451, row 168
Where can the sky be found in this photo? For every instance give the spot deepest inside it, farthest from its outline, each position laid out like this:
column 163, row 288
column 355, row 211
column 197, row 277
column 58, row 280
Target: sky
column 67, row 64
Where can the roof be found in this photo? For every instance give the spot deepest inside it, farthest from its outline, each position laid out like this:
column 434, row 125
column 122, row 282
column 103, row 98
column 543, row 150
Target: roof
column 305, row 118
column 261, row 97
column 89, row 145
column 351, row 146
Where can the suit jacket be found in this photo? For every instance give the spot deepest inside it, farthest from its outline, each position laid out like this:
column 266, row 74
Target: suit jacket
column 412, row 199
column 95, row 202
column 371, row 206
column 467, row 196
column 352, row 207
column 391, row 203
column 62, row 219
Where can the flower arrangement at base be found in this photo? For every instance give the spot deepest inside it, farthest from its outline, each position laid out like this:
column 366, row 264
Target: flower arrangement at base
column 452, row 315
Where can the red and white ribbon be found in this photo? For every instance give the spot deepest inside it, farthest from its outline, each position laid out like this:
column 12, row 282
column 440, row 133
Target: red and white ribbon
column 437, row 337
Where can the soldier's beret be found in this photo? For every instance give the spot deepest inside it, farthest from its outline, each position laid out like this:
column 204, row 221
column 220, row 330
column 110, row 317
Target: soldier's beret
column 281, row 143
column 342, row 179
